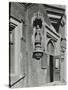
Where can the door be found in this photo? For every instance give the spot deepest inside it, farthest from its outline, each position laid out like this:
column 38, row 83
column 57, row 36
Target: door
column 50, row 49
column 51, row 69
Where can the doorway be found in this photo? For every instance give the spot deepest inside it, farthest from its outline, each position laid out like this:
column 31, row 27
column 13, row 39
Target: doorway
column 51, row 69
column 50, row 49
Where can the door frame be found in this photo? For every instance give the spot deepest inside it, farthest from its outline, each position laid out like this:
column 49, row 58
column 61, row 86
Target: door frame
column 51, row 74
column 48, row 68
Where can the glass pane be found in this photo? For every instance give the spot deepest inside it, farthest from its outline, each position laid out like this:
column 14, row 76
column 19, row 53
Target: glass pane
column 57, row 64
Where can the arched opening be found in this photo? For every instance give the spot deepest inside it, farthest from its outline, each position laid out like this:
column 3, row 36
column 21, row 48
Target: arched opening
column 50, row 49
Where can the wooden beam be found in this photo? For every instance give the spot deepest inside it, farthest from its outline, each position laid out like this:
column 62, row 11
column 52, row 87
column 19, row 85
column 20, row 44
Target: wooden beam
column 54, row 16
column 53, row 22
column 55, row 13
column 53, row 7
column 52, row 31
column 54, row 19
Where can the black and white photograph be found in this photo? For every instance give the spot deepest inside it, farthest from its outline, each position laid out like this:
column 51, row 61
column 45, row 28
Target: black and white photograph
column 37, row 44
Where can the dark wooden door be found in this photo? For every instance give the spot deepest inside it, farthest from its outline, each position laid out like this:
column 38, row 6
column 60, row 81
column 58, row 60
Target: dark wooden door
column 51, row 68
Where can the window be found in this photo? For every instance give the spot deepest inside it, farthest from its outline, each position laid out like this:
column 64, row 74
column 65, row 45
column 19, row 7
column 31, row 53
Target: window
column 57, row 64
column 11, row 32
